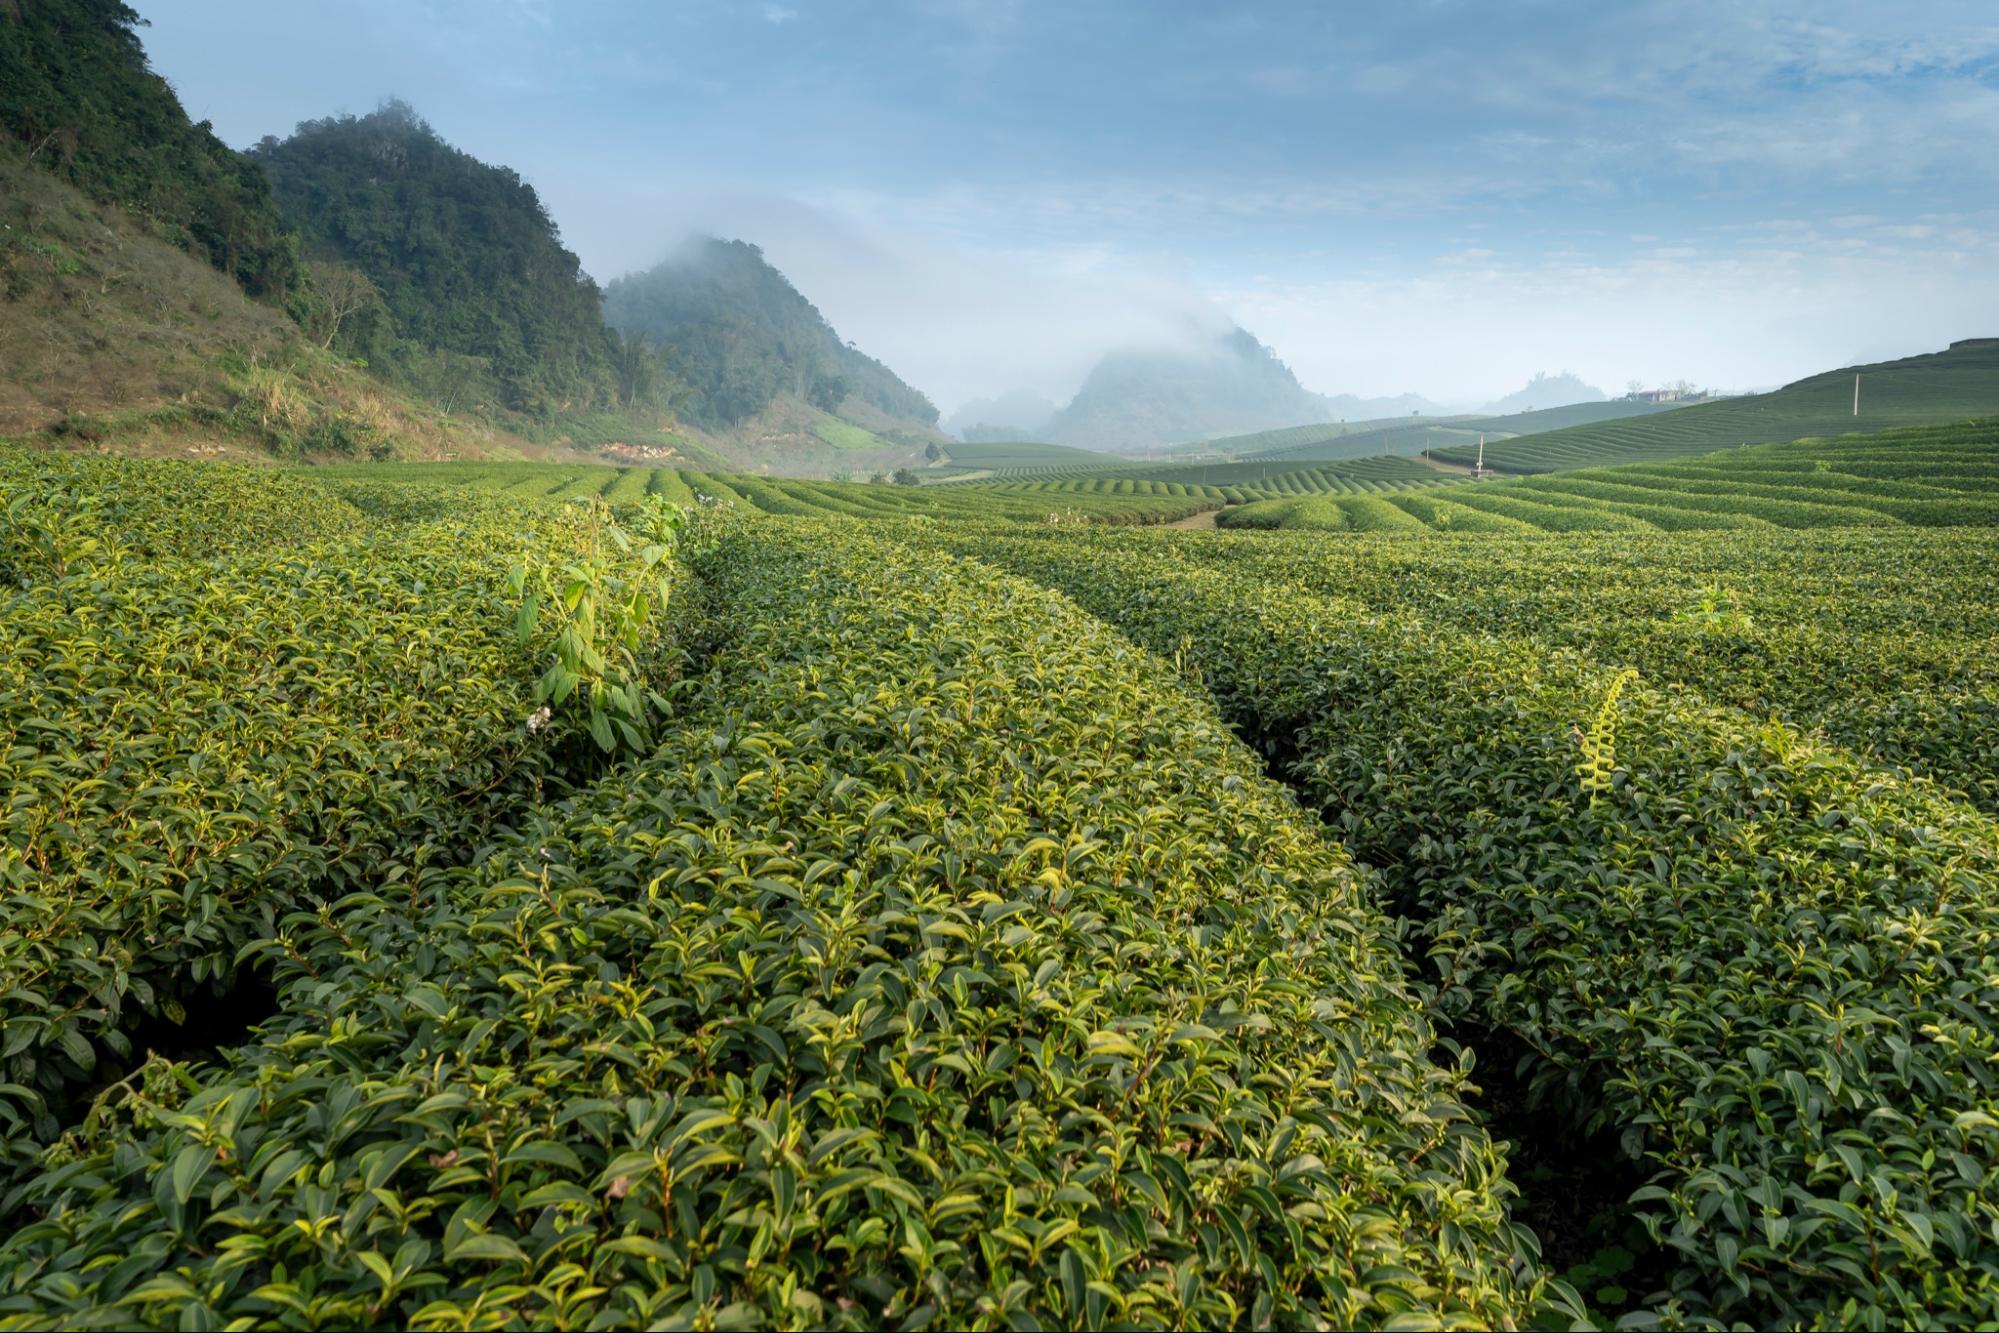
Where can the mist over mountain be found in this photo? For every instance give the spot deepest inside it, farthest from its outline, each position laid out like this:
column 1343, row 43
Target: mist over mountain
column 1228, row 385
column 1546, row 390
column 1016, row 415
column 741, row 336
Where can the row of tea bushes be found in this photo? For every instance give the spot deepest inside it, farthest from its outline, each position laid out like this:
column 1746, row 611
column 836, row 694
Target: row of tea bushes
column 950, row 965
column 1835, row 631
column 193, row 745
column 1770, row 967
column 1881, row 640
column 61, row 512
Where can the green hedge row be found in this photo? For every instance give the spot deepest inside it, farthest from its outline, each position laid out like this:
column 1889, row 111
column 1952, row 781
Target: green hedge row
column 1835, row 631
column 192, row 746
column 1773, row 970
column 949, row 966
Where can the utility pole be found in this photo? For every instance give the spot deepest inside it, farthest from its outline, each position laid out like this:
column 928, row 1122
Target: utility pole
column 1478, row 469
column 1856, row 394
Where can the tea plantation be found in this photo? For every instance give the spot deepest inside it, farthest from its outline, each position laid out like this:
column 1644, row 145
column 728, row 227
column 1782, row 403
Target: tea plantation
column 1933, row 389
column 521, row 896
column 1933, row 476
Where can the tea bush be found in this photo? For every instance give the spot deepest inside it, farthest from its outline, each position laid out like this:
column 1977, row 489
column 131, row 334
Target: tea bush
column 1766, row 965
column 946, row 965
column 1833, row 631
column 193, row 745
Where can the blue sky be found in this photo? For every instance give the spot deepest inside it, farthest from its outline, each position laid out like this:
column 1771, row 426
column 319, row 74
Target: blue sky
column 1439, row 197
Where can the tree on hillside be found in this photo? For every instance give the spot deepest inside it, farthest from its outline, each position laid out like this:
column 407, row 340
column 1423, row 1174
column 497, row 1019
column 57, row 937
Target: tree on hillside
column 827, row 392
column 932, row 452
column 342, row 294
column 906, row 477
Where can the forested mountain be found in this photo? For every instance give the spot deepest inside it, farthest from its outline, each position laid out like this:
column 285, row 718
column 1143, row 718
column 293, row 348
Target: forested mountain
column 462, row 259
column 77, row 95
column 739, row 334
column 1232, row 384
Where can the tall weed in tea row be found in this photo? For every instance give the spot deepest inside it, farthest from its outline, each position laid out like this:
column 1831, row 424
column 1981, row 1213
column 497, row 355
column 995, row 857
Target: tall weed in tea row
column 600, row 604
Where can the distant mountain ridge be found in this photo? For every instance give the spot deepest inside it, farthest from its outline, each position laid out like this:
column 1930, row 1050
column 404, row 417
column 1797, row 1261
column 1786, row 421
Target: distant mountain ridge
column 742, row 336
column 1145, row 398
column 1017, row 415
column 1137, row 399
column 1545, row 391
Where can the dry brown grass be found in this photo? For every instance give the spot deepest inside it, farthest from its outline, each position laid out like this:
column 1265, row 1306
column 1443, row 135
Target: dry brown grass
column 98, row 317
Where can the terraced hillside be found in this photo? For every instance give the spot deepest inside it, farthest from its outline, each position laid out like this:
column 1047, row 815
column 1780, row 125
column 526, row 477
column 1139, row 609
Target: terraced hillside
column 1137, row 496
column 1258, row 444
column 1027, row 455
column 1933, row 476
column 1445, row 433
column 1233, row 482
column 1937, row 388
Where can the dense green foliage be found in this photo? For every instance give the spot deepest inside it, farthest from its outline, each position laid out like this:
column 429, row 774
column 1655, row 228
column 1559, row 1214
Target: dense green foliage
column 929, row 954
column 77, row 95
column 741, row 335
column 466, row 264
column 1915, row 391
column 1763, row 963
column 1821, row 629
column 947, row 964
column 249, row 696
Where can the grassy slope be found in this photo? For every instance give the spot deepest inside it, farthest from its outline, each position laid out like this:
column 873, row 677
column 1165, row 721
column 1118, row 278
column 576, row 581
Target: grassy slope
column 114, row 338
column 1307, row 439
column 100, row 316
column 1569, row 414
column 1939, row 387
column 1027, row 454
